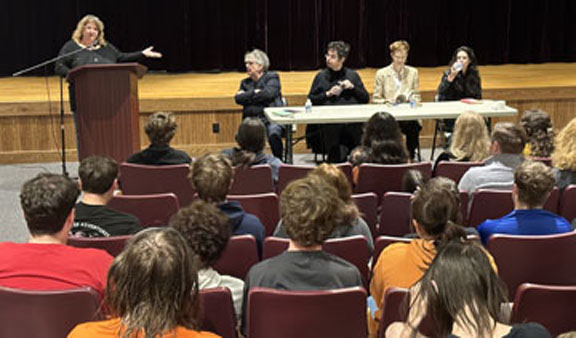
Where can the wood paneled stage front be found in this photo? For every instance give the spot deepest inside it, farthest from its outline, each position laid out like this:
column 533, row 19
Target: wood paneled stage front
column 29, row 106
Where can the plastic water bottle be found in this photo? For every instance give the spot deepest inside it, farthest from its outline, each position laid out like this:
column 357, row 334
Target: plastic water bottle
column 308, row 106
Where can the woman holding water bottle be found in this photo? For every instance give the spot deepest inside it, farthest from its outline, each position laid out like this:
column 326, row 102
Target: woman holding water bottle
column 461, row 80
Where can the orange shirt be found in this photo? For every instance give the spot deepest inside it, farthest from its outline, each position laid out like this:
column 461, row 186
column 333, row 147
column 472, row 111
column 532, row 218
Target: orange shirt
column 111, row 327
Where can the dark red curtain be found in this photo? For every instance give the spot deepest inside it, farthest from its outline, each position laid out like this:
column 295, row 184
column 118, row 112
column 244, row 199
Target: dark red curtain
column 213, row 35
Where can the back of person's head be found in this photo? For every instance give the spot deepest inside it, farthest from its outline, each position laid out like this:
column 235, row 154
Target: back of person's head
column 161, row 128
column 534, row 181
column 97, row 174
column 470, row 140
column 538, row 127
column 460, row 285
column 413, row 180
column 335, row 177
column 342, row 48
column 205, row 228
column 511, row 138
column 564, row 155
column 436, row 208
column 211, row 176
column 259, row 57
column 359, row 155
column 381, row 126
column 251, row 139
column 46, row 201
column 152, row 284
column 388, row 152
column 310, row 211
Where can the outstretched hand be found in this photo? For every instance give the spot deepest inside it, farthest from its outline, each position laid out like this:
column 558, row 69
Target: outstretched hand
column 150, row 53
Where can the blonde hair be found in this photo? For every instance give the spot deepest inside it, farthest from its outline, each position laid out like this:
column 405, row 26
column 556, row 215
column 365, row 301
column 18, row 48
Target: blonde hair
column 470, row 140
column 399, row 45
column 564, row 155
column 77, row 34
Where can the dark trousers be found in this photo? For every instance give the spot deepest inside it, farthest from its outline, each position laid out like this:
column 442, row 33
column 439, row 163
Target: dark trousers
column 339, row 139
column 412, row 131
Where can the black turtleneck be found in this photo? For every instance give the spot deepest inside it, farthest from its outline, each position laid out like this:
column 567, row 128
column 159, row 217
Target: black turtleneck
column 328, row 78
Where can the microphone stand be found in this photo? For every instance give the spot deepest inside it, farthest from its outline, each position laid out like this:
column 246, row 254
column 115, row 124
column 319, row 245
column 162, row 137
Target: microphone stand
column 62, row 128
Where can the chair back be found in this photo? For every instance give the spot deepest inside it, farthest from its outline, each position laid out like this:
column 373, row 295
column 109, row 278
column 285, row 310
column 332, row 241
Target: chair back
column 274, row 246
column 264, row 206
column 545, row 259
column 367, row 203
column 306, row 314
column 46, row 314
column 568, row 203
column 551, row 306
column 218, row 312
column 353, row 249
column 240, row 254
column 256, row 179
column 113, row 245
column 151, row 210
column 380, row 179
column 291, row 172
column 454, row 170
column 489, row 204
column 137, row 179
column 382, row 242
column 546, row 160
column 395, row 214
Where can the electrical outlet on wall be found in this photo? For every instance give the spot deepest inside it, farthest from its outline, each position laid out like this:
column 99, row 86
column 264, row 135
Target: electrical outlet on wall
column 215, row 128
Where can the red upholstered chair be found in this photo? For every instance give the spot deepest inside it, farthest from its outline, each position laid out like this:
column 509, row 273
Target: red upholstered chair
column 380, row 179
column 395, row 214
column 464, row 207
column 367, row 203
column 152, row 210
column 264, row 206
column 553, row 202
column 46, row 314
column 306, row 314
column 489, row 204
column 240, row 254
column 273, row 246
column 382, row 242
column 113, row 245
column 551, row 306
column 256, row 179
column 139, row 179
column 454, row 170
column 534, row 259
column 290, row 172
column 218, row 312
column 546, row 160
column 568, row 203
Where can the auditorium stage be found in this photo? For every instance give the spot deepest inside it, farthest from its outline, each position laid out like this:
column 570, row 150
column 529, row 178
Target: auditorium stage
column 29, row 106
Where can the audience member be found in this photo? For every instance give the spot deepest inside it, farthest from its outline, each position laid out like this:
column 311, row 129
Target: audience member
column 251, row 139
column 336, row 178
column 413, row 180
column 538, row 127
column 435, row 211
column 564, row 155
column 160, row 128
column 508, row 141
column 533, row 182
column 397, row 83
column 336, row 85
column 463, row 295
column 309, row 213
column 46, row 262
column 259, row 90
column 212, row 176
column 93, row 218
column 206, row 230
column 152, row 290
column 470, row 142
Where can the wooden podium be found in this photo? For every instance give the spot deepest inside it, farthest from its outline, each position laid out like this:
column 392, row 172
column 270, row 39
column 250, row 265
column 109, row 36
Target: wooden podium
column 107, row 112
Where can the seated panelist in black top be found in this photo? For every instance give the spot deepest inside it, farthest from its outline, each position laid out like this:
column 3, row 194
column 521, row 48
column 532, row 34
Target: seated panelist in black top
column 336, row 85
column 89, row 37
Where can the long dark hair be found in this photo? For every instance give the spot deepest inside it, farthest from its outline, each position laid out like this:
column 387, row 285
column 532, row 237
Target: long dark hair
column 251, row 139
column 471, row 55
column 382, row 135
column 460, row 284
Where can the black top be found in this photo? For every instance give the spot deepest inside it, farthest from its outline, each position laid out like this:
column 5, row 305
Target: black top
column 160, row 155
column 327, row 78
column 525, row 330
column 269, row 94
column 102, row 221
column 103, row 55
column 464, row 86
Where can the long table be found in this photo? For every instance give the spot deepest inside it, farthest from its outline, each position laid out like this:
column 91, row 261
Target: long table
column 289, row 116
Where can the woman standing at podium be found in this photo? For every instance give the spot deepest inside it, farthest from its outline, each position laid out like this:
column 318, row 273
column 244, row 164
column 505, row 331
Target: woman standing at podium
column 91, row 48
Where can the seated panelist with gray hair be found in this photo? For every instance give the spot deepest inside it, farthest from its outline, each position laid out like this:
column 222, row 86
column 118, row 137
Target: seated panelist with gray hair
column 259, row 90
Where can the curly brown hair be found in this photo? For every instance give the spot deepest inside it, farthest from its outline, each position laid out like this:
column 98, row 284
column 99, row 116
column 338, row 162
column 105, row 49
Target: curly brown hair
column 205, row 228
column 534, row 181
column 161, row 128
column 310, row 210
column 211, row 176
column 539, row 130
